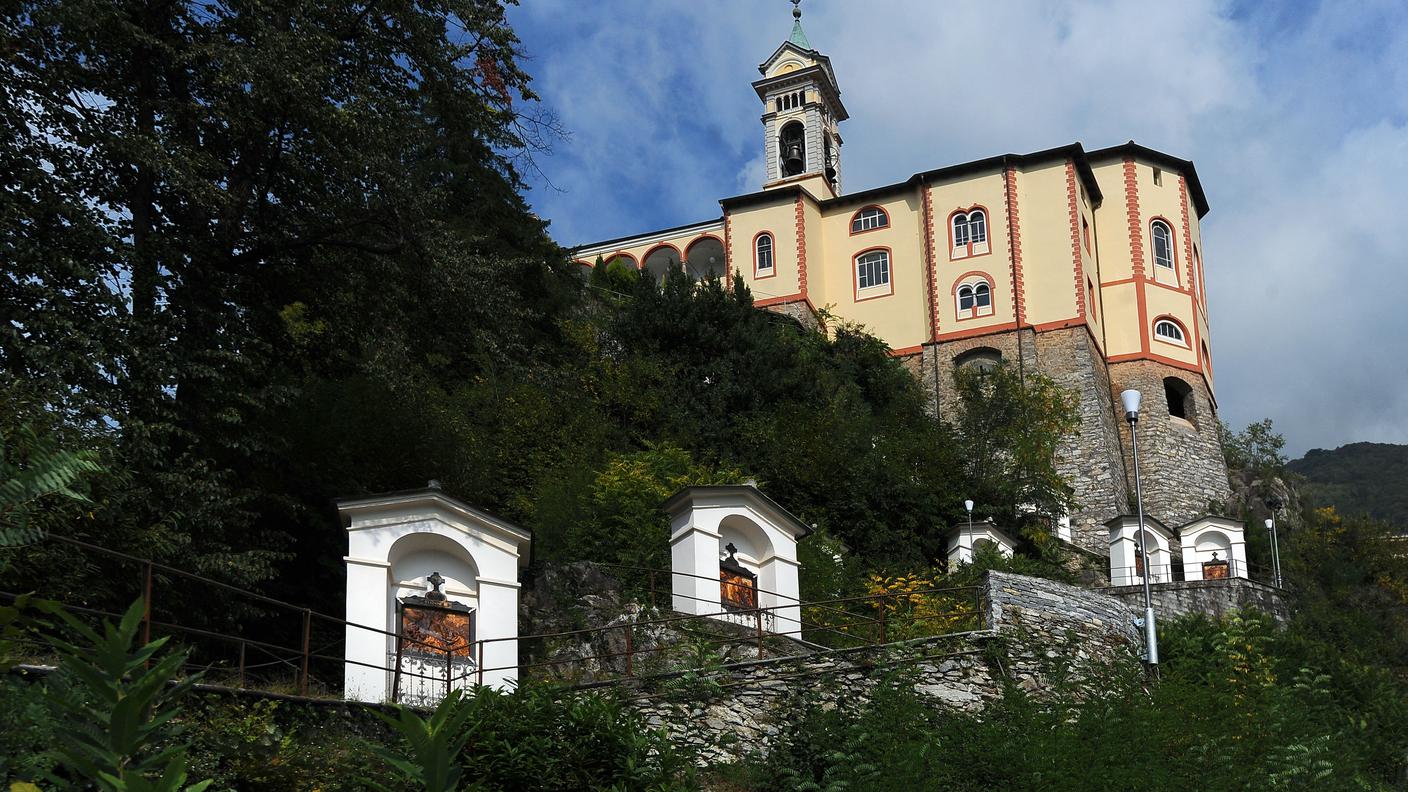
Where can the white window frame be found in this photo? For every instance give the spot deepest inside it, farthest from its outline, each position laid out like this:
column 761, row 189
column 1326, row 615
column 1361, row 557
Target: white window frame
column 878, row 262
column 758, row 252
column 1179, row 338
column 1169, row 261
column 869, row 219
column 972, row 288
column 968, row 232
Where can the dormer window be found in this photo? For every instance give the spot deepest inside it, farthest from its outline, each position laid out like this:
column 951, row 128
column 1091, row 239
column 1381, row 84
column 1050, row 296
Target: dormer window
column 869, row 219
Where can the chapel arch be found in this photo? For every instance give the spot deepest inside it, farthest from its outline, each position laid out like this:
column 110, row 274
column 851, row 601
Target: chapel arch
column 705, row 257
column 660, row 262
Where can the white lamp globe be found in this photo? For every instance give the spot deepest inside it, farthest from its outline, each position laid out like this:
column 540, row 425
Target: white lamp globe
column 968, row 505
column 1130, row 399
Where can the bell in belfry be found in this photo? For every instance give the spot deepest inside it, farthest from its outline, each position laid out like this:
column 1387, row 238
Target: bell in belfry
column 793, row 161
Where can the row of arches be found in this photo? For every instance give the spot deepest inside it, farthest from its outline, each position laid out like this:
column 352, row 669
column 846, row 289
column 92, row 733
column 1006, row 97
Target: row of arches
column 702, row 257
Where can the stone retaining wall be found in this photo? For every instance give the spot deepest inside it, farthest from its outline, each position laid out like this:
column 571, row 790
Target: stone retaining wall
column 1038, row 632
column 1213, row 598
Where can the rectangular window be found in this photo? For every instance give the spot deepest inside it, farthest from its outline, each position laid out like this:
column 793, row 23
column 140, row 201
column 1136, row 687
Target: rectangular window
column 1085, row 232
column 1158, row 177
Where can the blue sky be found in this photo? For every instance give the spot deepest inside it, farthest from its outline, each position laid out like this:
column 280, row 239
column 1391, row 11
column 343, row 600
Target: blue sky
column 1296, row 115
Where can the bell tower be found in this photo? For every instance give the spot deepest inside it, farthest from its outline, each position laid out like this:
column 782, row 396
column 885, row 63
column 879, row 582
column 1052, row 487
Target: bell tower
column 802, row 112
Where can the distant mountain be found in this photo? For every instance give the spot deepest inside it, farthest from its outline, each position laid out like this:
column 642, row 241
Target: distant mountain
column 1360, row 478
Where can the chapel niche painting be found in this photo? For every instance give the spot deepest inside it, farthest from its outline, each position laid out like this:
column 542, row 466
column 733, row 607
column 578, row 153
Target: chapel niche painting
column 1215, row 569
column 738, row 588
column 434, row 647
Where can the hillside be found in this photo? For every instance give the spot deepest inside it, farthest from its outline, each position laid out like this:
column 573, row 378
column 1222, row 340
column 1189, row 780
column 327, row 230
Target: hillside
column 1359, row 478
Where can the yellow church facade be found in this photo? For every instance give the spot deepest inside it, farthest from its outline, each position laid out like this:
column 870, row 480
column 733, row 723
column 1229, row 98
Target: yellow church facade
column 1086, row 265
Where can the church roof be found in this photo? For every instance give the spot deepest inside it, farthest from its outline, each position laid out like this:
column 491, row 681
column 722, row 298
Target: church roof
column 798, row 37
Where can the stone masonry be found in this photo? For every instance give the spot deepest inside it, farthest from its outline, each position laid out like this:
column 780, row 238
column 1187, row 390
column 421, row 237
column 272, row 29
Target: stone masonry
column 1180, row 461
column 1036, row 631
column 1091, row 461
column 1183, row 471
column 1213, row 598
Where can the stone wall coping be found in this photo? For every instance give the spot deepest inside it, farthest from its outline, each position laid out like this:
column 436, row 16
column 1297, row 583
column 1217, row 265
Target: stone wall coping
column 1181, row 585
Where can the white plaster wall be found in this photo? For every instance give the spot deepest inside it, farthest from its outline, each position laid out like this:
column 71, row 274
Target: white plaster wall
column 391, row 549
column 1204, row 537
column 698, row 538
column 1124, row 546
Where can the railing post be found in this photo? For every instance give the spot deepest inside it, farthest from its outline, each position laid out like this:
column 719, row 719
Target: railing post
column 241, row 684
column 449, row 670
column 396, row 673
column 481, row 662
column 630, row 649
column 652, row 589
column 884, row 616
column 758, row 616
column 147, row 606
column 307, row 637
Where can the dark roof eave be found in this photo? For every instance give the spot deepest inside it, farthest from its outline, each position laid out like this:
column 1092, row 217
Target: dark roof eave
column 629, row 237
column 1186, row 167
column 802, row 529
column 1072, row 151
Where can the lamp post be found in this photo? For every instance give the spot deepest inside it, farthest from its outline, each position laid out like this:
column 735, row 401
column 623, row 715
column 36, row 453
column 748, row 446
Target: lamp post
column 1130, row 399
column 1273, row 504
column 968, row 504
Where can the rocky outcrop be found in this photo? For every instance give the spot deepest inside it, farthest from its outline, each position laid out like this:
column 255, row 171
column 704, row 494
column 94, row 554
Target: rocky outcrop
column 581, row 624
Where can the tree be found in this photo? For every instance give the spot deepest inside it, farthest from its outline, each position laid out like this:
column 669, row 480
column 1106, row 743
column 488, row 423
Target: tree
column 211, row 209
column 1256, row 448
column 1009, row 427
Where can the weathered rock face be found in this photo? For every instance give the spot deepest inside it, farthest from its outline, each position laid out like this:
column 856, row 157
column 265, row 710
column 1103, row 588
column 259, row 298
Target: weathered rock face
column 592, row 630
column 1250, row 494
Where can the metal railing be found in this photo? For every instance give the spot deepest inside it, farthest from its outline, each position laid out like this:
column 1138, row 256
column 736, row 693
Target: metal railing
column 1186, row 571
column 313, row 662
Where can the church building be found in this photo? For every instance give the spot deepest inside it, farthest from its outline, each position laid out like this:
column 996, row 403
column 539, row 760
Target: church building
column 1086, row 266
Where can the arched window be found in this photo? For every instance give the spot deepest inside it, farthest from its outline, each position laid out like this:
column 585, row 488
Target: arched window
column 869, row 219
column 974, row 299
column 982, row 358
column 977, row 227
column 762, row 254
column 1180, row 398
column 1163, row 244
column 873, row 269
column 969, row 231
column 1168, row 330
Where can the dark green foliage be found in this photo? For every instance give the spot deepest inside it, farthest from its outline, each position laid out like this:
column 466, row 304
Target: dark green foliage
column 112, row 707
column 622, row 522
column 534, row 738
column 1256, row 448
column 426, row 757
column 1232, row 711
column 1009, row 426
column 270, row 746
column 34, row 470
column 1359, row 478
column 212, row 213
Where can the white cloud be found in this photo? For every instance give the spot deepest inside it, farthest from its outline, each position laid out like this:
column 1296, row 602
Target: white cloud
column 1295, row 116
